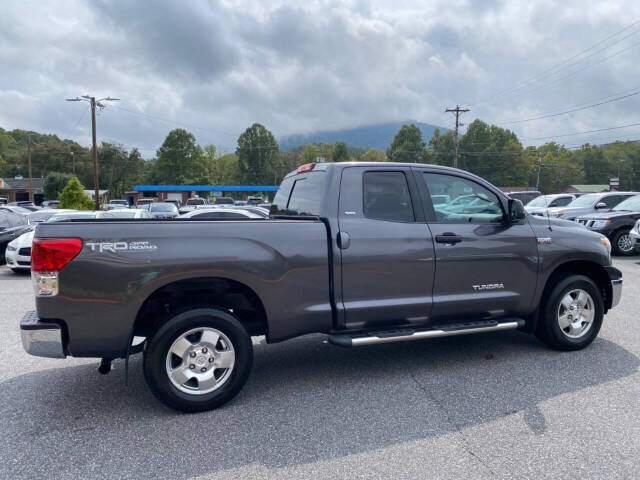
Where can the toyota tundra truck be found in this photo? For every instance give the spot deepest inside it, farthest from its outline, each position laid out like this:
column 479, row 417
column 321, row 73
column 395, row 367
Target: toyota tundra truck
column 356, row 251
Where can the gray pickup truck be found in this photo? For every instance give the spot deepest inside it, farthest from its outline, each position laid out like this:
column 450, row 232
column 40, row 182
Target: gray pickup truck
column 356, row 251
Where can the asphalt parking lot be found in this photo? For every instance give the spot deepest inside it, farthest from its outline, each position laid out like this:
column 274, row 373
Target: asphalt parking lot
column 484, row 406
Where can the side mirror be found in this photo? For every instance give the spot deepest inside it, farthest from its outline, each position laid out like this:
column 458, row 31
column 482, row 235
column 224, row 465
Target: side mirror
column 600, row 205
column 516, row 211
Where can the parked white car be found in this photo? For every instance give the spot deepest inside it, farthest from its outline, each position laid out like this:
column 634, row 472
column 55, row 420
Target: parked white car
column 18, row 253
column 134, row 213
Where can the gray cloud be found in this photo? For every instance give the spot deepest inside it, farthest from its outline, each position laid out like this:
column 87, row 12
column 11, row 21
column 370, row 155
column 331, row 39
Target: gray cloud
column 296, row 67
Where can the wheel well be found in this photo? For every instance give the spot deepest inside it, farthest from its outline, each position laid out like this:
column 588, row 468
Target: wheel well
column 589, row 269
column 223, row 293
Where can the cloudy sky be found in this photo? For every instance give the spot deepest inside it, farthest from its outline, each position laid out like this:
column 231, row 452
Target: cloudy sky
column 215, row 67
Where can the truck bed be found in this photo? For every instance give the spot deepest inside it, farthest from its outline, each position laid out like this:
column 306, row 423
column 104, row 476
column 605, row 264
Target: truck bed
column 122, row 263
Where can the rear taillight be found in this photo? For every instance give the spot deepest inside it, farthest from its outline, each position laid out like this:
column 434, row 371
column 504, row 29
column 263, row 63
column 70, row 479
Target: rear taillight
column 307, row 167
column 52, row 254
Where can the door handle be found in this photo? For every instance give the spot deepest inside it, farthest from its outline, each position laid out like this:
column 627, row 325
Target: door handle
column 448, row 237
column 344, row 240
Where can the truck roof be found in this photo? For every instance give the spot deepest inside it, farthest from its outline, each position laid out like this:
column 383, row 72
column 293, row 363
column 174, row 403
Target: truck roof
column 332, row 165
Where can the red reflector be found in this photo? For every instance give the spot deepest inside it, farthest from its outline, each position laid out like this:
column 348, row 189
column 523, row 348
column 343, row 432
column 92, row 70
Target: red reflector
column 307, row 167
column 52, row 254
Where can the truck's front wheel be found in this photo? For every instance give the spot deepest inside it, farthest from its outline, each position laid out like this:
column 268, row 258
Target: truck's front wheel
column 198, row 360
column 571, row 314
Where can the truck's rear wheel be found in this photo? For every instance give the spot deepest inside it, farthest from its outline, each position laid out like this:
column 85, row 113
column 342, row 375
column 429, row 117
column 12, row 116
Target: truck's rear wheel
column 198, row 360
column 572, row 313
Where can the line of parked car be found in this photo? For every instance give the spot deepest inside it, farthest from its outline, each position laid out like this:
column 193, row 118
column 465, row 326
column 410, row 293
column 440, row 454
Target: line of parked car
column 613, row 214
column 18, row 222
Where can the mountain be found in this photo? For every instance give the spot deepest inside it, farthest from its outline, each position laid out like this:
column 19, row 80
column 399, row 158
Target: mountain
column 370, row 136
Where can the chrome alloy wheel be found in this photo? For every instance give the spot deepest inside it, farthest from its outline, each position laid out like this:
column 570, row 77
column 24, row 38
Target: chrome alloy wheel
column 576, row 313
column 200, row 361
column 625, row 244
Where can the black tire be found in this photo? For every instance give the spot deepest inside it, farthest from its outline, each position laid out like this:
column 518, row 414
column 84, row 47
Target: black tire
column 157, row 349
column 618, row 237
column 548, row 329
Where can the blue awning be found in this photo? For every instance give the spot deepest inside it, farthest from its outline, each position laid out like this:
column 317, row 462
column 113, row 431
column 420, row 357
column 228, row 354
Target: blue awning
column 205, row 188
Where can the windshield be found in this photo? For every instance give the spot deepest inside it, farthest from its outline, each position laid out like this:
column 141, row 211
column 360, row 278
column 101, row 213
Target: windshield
column 195, row 201
column 60, row 217
column 585, row 200
column 123, row 213
column 541, row 201
column 630, row 204
column 163, row 207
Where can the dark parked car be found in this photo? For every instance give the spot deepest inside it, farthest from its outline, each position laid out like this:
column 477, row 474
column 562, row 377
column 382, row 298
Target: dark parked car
column 163, row 210
column 225, row 201
column 616, row 224
column 524, row 197
column 12, row 225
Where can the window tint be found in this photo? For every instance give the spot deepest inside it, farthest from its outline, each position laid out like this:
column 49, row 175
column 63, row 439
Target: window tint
column 386, row 197
column 561, row 202
column 612, row 200
column 470, row 202
column 306, row 195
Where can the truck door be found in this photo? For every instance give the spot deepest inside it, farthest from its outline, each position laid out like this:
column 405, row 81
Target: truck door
column 386, row 249
column 486, row 267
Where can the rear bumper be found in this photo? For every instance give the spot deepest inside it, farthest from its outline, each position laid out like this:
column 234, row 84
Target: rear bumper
column 40, row 338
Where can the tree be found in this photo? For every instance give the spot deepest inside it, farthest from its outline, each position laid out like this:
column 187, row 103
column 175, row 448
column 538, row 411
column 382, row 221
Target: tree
column 341, row 153
column 73, row 196
column 407, row 146
column 257, row 153
column 309, row 153
column 54, row 183
column 180, row 161
column 441, row 148
column 372, row 155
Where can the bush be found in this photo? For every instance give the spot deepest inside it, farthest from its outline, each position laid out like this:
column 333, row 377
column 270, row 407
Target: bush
column 73, row 196
column 54, row 183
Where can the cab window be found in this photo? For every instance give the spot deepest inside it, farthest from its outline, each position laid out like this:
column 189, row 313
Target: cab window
column 387, row 197
column 470, row 202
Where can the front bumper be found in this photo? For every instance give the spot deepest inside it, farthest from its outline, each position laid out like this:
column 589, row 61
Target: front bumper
column 14, row 260
column 40, row 338
column 634, row 234
column 615, row 277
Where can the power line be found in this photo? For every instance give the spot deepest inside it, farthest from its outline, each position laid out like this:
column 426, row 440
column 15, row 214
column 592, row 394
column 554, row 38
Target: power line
column 173, row 122
column 573, row 110
column 582, row 133
column 554, row 69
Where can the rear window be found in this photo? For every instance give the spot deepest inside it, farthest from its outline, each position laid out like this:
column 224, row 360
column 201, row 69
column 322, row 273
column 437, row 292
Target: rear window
column 163, row 207
column 300, row 195
column 304, row 197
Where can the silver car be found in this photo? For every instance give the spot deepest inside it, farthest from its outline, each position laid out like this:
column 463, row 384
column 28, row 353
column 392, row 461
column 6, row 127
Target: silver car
column 540, row 205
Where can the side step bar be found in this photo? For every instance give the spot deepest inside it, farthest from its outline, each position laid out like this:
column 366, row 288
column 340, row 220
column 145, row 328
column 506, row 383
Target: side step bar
column 407, row 334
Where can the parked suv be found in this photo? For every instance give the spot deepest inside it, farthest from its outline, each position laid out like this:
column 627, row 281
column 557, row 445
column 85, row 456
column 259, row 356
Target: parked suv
column 616, row 224
column 541, row 204
column 590, row 203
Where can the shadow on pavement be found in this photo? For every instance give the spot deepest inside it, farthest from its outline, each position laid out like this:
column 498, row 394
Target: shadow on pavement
column 305, row 401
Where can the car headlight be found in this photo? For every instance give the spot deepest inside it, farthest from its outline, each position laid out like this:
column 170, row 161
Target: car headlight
column 607, row 244
column 597, row 224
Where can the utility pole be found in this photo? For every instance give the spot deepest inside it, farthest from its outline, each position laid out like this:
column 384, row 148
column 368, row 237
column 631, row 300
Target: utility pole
column 457, row 111
column 539, row 166
column 30, row 175
column 93, row 102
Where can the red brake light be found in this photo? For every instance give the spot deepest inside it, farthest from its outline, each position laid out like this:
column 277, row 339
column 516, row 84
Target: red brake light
column 52, row 254
column 307, row 167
